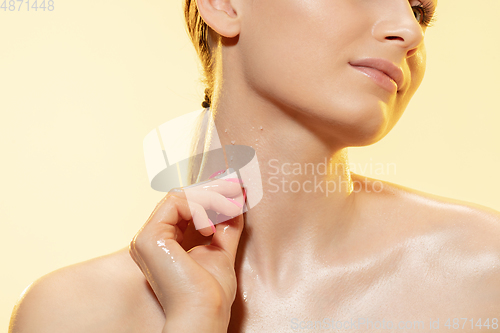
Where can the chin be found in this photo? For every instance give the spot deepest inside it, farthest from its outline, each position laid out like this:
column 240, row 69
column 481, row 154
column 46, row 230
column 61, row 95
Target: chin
column 364, row 136
column 365, row 126
column 365, row 139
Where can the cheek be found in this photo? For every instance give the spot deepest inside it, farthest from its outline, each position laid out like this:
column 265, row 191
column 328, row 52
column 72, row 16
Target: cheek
column 295, row 49
column 416, row 65
column 297, row 53
column 278, row 48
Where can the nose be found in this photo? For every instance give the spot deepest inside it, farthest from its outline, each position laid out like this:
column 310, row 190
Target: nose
column 399, row 27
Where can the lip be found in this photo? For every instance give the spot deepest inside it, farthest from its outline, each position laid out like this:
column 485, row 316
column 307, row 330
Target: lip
column 382, row 72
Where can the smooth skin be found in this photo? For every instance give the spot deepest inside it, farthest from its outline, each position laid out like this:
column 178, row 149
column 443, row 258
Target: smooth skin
column 371, row 250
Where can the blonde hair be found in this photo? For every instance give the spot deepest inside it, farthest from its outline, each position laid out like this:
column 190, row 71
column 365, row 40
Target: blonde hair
column 199, row 32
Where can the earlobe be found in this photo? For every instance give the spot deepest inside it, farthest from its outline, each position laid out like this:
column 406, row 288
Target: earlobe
column 220, row 16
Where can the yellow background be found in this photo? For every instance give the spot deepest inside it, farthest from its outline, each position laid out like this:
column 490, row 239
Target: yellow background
column 82, row 85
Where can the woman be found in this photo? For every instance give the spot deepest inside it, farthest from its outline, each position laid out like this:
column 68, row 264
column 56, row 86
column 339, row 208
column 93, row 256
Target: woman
column 306, row 72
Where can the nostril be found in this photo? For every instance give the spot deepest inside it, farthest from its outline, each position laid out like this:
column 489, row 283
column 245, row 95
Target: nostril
column 411, row 52
column 394, row 37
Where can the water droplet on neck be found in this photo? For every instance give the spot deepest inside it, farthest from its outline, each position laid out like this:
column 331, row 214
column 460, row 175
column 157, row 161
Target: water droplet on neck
column 233, row 142
column 245, row 296
column 225, row 131
column 256, row 139
column 261, row 128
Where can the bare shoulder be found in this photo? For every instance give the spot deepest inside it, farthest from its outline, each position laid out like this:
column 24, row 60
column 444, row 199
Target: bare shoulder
column 433, row 212
column 456, row 242
column 456, row 218
column 103, row 294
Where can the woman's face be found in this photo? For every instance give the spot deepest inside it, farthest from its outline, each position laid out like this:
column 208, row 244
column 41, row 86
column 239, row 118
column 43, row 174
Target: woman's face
column 298, row 52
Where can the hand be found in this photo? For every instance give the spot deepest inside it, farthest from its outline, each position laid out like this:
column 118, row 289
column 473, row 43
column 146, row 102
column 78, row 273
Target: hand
column 202, row 280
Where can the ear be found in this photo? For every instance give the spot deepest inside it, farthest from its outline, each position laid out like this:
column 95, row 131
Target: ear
column 221, row 16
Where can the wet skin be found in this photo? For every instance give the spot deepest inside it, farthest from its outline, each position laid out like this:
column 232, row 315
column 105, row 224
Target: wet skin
column 412, row 257
column 392, row 255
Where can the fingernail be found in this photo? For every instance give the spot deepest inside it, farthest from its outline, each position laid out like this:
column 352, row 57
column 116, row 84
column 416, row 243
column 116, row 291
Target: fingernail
column 235, row 202
column 211, row 225
column 216, row 173
column 233, row 180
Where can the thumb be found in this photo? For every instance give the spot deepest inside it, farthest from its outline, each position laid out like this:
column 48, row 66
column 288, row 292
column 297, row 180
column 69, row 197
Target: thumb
column 228, row 235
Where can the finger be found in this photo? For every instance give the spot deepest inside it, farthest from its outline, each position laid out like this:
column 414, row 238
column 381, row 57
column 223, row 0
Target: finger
column 227, row 187
column 164, row 212
column 228, row 236
column 229, row 232
column 157, row 253
column 201, row 220
column 200, row 200
column 188, row 209
column 216, row 202
column 240, row 201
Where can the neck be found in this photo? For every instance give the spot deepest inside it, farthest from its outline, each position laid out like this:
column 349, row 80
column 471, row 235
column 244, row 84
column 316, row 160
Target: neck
column 308, row 196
